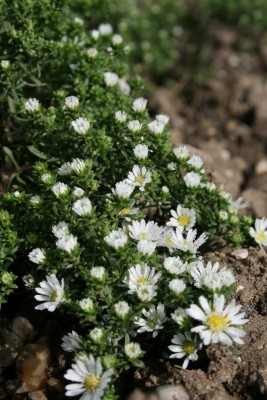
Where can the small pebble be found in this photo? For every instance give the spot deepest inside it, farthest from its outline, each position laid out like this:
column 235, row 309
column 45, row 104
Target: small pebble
column 240, row 253
column 261, row 167
column 23, row 328
column 170, row 392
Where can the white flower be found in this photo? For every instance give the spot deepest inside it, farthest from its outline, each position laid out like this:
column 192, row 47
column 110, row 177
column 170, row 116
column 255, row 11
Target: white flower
column 37, row 255
column 120, row 116
column 46, row 178
column 77, row 165
column 71, row 342
column 220, row 324
column 132, row 350
column 177, row 286
column 91, row 381
column 95, row 34
column 60, row 230
column 71, row 102
column 211, row 277
column 60, row 189
column 167, row 239
column 238, row 204
column 82, row 206
column 139, row 105
column 259, row 233
column 98, row 273
column 67, row 243
column 192, row 179
column 134, row 126
column 163, row 118
column 78, row 192
column 181, row 152
column 81, row 125
column 140, row 230
column 171, row 166
column 165, row 189
column 123, row 190
column 223, row 215
column 17, row 193
column 116, row 239
column 28, row 281
column 210, row 186
column 35, row 200
column 32, row 105
column 141, row 151
column 92, row 52
column 141, row 275
column 139, row 176
column 156, row 127
column 175, row 265
column 124, row 87
column 117, row 40
column 64, row 169
column 96, row 335
column 78, row 21
column 146, row 247
column 189, row 243
column 110, row 78
column 105, row 29
column 5, row 64
column 179, row 316
column 146, row 293
column 153, row 321
column 185, row 346
column 183, row 218
column 122, row 309
column 51, row 293
column 86, row 304
column 195, row 161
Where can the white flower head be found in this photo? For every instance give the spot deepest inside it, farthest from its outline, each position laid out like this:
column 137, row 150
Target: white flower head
column 146, row 247
column 95, row 34
column 259, row 232
column 116, row 239
column 142, row 230
column 67, row 243
column 153, row 321
column 78, row 192
column 122, row 309
column 192, row 179
column 139, row 105
column 188, row 243
column 124, row 87
column 183, row 218
column 195, row 161
column 60, row 189
column 120, row 116
column 5, row 64
column 34, row 200
column 185, row 346
column 87, row 304
column 181, row 152
column 146, row 293
column 90, row 380
column 133, row 350
column 77, row 165
column 60, row 230
column 105, row 29
column 78, row 20
column 141, row 275
column 37, row 256
column 211, row 277
column 134, row 126
column 50, row 292
column 238, row 204
column 81, row 125
column 175, row 265
column 210, row 186
column 97, row 335
column 123, row 189
column 71, row 342
column 139, row 177
column 163, row 118
column 32, row 105
column 167, row 239
column 64, row 169
column 117, row 40
column 82, row 206
column 98, row 273
column 141, row 151
column 171, row 166
column 223, row 215
column 219, row 324
column 165, row 189
column 92, row 52
column 46, row 178
column 111, row 79
column 71, row 102
column 179, row 316
column 156, row 127
column 177, row 286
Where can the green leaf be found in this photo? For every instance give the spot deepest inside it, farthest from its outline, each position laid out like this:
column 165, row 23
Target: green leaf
column 10, row 155
column 37, row 152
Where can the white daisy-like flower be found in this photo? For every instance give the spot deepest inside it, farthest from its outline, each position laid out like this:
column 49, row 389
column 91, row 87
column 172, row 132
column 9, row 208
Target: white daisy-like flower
column 184, row 218
column 35, row 200
column 87, row 304
column 92, row 52
column 139, row 105
column 32, row 105
column 220, row 324
column 146, row 293
column 67, row 243
column 116, row 239
column 90, row 380
column 142, row 230
column 171, row 166
column 163, row 118
column 128, row 211
column 117, row 40
column 78, row 192
column 37, row 256
column 175, row 265
column 71, row 102
column 50, row 292
column 111, row 79
column 120, row 116
column 179, row 316
column 181, row 152
column 185, row 346
column 124, row 87
column 177, row 286
column 195, row 161
column 146, row 247
column 122, row 309
column 81, row 125
column 139, row 177
column 192, row 179
column 153, row 321
column 141, row 151
column 64, row 169
column 61, row 229
column 238, row 204
column 71, row 342
column 5, row 64
column 98, row 273
column 105, row 29
column 156, row 127
column 97, row 335
column 82, row 206
column 259, row 232
column 134, row 126
column 141, row 275
column 189, row 243
column 123, row 189
column 60, row 189
column 211, row 277
column 133, row 350
column 77, row 165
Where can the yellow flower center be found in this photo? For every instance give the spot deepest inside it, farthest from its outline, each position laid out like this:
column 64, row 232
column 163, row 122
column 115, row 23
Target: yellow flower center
column 261, row 236
column 139, row 179
column 169, row 241
column 142, row 281
column 126, row 211
column 54, row 296
column 188, row 347
column 143, row 235
column 217, row 322
column 91, row 383
column 184, row 220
